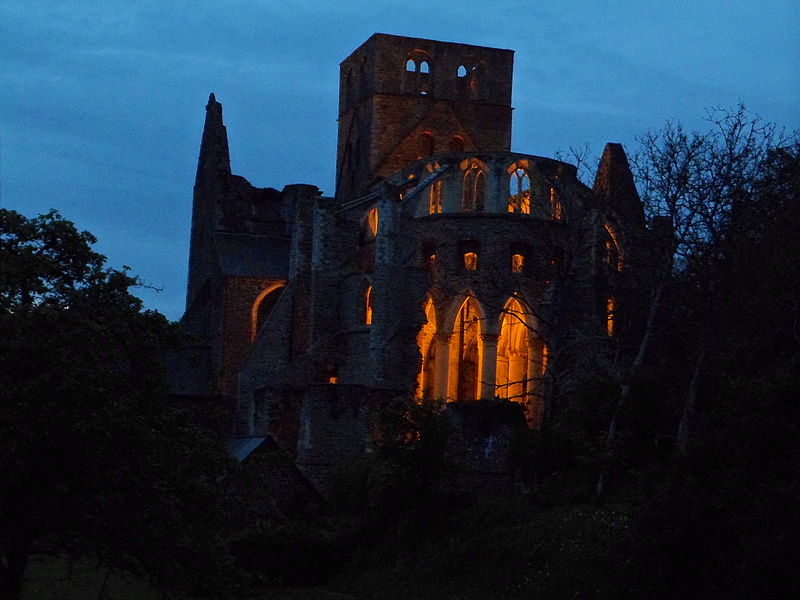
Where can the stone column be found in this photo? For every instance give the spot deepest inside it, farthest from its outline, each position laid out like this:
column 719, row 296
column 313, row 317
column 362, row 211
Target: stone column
column 488, row 365
column 442, row 360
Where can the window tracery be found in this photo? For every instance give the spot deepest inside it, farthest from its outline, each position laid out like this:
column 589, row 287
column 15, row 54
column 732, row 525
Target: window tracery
column 519, row 199
column 474, row 189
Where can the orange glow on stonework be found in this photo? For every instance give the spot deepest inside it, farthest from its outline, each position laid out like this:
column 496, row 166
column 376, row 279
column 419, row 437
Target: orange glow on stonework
column 368, row 306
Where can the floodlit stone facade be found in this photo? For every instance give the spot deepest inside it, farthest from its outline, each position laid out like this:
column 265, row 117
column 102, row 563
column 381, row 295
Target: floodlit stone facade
column 444, row 266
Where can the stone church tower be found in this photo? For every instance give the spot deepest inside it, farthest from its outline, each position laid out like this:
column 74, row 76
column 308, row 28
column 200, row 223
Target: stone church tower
column 444, row 265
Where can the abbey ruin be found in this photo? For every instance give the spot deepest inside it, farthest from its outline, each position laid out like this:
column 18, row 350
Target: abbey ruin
column 444, row 265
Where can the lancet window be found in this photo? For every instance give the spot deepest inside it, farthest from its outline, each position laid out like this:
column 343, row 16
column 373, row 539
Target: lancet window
column 472, row 198
column 514, row 372
column 519, row 199
column 468, row 351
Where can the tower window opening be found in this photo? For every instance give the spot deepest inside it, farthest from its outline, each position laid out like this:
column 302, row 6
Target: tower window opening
column 424, row 67
column 461, row 71
column 470, row 261
column 517, row 263
column 411, row 66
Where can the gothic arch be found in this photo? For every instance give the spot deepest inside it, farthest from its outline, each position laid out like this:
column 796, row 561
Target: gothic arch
column 466, row 353
column 519, row 188
column 262, row 306
column 473, row 196
column 515, row 353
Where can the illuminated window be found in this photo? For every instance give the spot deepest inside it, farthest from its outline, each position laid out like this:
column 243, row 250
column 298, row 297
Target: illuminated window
column 368, row 306
column 513, row 376
column 517, row 263
column 555, row 205
column 519, row 200
column 467, row 348
column 435, row 197
column 610, row 316
column 470, row 261
column 473, row 193
column 372, row 222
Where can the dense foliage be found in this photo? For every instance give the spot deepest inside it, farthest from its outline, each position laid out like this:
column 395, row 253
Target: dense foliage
column 94, row 461
column 700, row 480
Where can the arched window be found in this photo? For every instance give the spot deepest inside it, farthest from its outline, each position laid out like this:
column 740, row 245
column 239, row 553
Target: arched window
column 418, row 73
column 555, row 206
column 461, row 71
column 367, row 305
column 371, row 223
column 456, row 143
column 468, row 351
column 513, row 372
column 610, row 307
column 519, row 199
column 262, row 307
column 426, row 342
column 474, row 189
column 517, row 263
column 471, row 261
column 434, row 191
column 611, row 246
column 435, row 197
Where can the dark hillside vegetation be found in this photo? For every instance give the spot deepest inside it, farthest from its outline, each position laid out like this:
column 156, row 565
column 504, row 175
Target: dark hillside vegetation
column 700, row 478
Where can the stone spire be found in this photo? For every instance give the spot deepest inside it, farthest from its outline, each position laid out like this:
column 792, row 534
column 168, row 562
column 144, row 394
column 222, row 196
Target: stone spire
column 614, row 180
column 214, row 162
column 210, row 188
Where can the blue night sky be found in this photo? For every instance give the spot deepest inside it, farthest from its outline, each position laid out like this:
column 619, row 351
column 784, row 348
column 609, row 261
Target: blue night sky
column 102, row 103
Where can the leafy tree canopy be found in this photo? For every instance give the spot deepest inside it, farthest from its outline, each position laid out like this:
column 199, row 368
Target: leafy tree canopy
column 94, row 461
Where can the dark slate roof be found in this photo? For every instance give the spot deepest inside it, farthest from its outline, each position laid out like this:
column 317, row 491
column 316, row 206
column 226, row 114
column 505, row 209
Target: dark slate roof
column 241, row 448
column 247, row 255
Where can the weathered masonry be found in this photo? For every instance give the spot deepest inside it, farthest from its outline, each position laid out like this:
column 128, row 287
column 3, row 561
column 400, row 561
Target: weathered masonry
column 443, row 266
